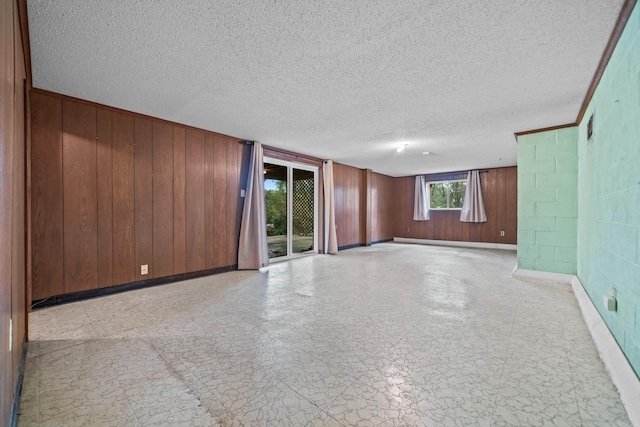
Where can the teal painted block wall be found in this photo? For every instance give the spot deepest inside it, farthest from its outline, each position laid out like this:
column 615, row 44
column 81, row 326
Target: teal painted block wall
column 609, row 193
column 548, row 201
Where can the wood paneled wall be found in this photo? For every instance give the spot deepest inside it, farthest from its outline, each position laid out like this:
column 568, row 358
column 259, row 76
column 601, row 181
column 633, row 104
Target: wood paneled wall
column 364, row 211
column 499, row 190
column 347, row 191
column 382, row 207
column 13, row 148
column 113, row 190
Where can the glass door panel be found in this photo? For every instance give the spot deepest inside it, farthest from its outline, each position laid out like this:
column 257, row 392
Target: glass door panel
column 275, row 197
column 302, row 211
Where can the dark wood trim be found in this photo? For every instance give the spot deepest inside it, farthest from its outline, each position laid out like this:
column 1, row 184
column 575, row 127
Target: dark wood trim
column 625, row 13
column 527, row 132
column 141, row 284
column 131, row 113
column 26, row 44
column 279, row 153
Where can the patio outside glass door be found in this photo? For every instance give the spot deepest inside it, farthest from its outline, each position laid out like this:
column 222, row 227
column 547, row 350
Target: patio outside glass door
column 291, row 199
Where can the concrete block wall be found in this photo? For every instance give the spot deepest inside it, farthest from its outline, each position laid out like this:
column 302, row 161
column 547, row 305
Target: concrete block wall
column 548, row 201
column 609, row 193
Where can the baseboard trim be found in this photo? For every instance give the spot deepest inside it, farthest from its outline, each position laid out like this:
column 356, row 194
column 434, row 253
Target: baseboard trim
column 543, row 275
column 616, row 363
column 17, row 394
column 458, row 244
column 381, row 241
column 620, row 371
column 94, row 293
column 345, row 247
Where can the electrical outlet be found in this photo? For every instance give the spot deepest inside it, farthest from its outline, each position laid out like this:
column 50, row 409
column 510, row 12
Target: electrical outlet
column 144, row 269
column 502, row 234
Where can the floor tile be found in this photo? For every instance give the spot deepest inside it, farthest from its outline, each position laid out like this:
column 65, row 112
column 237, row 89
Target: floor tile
column 390, row 335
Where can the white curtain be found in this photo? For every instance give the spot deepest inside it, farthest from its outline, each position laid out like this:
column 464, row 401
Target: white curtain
column 330, row 235
column 473, row 205
column 252, row 251
column 421, row 200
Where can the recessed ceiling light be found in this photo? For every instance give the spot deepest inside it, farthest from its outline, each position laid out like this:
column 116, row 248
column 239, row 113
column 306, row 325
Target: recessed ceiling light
column 426, row 153
column 402, row 148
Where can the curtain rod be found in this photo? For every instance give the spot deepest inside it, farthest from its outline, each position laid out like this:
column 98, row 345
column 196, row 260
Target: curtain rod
column 293, row 154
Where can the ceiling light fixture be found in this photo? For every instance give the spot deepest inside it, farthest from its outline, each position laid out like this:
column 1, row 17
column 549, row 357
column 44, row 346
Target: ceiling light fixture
column 426, row 153
column 402, row 148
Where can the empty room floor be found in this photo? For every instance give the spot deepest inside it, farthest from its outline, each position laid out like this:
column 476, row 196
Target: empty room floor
column 386, row 335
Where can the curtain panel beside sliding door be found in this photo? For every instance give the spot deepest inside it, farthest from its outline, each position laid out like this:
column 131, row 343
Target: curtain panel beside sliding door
column 252, row 250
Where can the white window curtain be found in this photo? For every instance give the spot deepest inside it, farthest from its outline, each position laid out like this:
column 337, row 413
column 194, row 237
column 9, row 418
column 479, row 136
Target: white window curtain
column 252, row 250
column 473, row 205
column 421, row 200
column 330, row 235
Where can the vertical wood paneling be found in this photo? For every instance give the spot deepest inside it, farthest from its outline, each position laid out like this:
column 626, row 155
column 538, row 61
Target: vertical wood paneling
column 365, row 219
column 7, row 45
column 209, row 224
column 46, row 197
column 18, row 225
column 13, row 143
column 179, row 188
column 500, row 197
column 219, row 201
column 155, row 193
column 242, row 169
column 489, row 183
column 195, row 249
column 143, row 197
column 123, row 137
column 347, row 183
column 233, row 193
column 399, row 214
column 162, row 199
column 382, row 218
column 501, row 207
column 104, row 174
column 80, row 196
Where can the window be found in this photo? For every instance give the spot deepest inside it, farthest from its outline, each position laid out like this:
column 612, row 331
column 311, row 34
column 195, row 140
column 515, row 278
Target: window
column 447, row 194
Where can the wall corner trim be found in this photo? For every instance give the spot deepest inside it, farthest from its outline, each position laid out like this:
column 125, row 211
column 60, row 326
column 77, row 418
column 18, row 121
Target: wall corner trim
column 620, row 371
column 617, row 365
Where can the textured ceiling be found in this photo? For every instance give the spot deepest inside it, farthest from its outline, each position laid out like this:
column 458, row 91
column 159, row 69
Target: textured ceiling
column 342, row 80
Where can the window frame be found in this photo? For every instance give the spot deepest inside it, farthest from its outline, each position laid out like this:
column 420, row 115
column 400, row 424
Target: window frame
column 448, row 194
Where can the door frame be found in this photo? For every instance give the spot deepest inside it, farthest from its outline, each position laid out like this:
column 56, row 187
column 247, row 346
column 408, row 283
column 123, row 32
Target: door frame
column 302, row 166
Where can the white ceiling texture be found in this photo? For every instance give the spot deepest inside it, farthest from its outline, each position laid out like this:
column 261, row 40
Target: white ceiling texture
column 344, row 80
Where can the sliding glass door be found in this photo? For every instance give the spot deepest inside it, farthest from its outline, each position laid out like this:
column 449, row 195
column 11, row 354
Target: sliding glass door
column 291, row 200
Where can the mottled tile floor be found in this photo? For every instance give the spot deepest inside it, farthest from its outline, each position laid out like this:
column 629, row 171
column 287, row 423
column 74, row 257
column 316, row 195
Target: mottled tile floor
column 387, row 335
